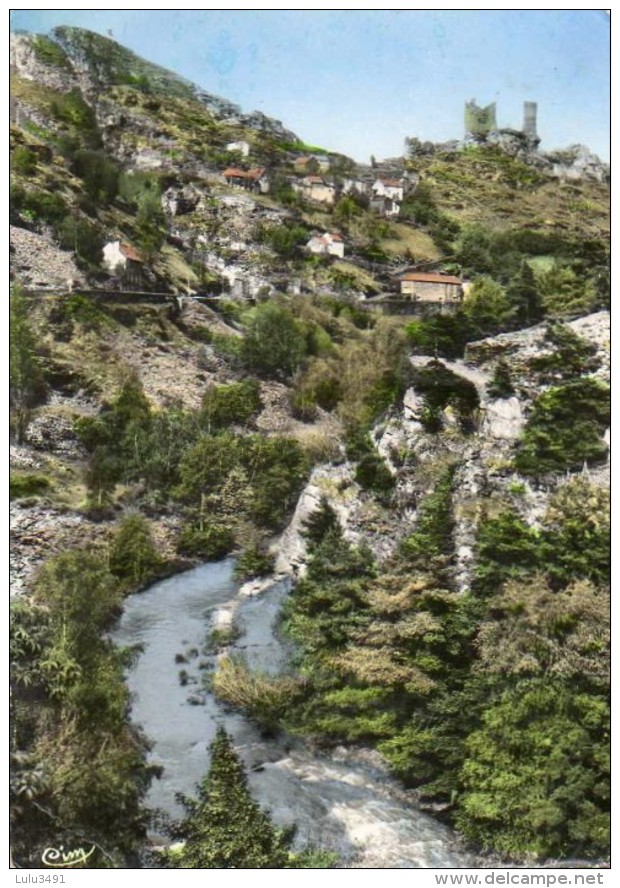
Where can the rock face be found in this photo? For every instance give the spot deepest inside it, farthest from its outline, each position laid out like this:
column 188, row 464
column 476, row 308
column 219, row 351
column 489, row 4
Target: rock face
column 38, row 263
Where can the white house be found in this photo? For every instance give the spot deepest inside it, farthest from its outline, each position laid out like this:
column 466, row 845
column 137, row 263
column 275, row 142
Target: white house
column 315, row 188
column 326, row 245
column 241, row 147
column 387, row 206
column 122, row 259
column 392, row 188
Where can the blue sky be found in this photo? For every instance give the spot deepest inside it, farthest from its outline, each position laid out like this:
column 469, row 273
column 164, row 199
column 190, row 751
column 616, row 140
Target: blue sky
column 359, row 81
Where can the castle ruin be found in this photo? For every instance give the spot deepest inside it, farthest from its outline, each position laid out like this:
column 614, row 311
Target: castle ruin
column 481, row 124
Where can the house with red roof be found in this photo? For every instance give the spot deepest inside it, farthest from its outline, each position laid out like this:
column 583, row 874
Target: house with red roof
column 391, row 188
column 315, row 188
column 123, row 260
column 326, row 245
column 253, row 180
column 431, row 287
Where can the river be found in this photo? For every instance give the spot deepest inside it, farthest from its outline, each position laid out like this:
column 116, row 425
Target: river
column 344, row 801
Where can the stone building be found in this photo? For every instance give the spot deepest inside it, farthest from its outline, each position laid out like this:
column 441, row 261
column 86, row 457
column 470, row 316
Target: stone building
column 326, row 245
column 431, row 287
column 124, row 261
column 253, row 180
column 315, row 188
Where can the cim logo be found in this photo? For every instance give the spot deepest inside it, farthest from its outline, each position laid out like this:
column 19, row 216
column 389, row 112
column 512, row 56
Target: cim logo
column 59, row 857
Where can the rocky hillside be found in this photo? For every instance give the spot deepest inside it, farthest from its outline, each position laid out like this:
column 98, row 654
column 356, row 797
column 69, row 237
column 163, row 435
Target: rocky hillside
column 211, row 354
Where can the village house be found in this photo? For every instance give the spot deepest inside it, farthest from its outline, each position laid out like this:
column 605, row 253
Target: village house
column 387, row 206
column 392, row 188
column 311, row 163
column 431, row 287
column 326, row 245
column 352, row 185
column 253, row 180
column 124, row 261
column 315, row 188
column 242, row 148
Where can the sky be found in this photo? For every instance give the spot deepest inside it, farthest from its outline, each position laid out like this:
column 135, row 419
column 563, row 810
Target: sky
column 360, row 81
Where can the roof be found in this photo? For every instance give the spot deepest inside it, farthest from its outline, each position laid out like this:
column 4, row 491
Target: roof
column 391, row 183
column 130, row 252
column 315, row 180
column 235, row 173
column 430, row 277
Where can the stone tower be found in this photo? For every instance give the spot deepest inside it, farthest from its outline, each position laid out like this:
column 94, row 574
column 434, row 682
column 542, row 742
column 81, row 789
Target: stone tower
column 479, row 122
column 529, row 119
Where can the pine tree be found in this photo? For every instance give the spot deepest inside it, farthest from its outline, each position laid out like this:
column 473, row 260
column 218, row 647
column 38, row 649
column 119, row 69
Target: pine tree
column 26, row 379
column 224, row 827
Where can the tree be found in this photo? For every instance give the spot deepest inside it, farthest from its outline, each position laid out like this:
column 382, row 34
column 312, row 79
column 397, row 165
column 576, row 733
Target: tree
column 274, row 343
column 133, row 555
column 564, row 293
column 150, row 222
column 25, row 374
column 524, row 296
column 486, row 306
column 501, row 385
column 224, row 827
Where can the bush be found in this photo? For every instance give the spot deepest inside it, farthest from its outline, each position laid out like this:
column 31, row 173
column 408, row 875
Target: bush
column 442, row 388
column 266, row 698
column 565, row 429
column 501, row 385
column 27, row 485
column 234, row 404
column 274, row 343
column 23, row 161
column 255, row 561
column 133, row 554
column 208, row 540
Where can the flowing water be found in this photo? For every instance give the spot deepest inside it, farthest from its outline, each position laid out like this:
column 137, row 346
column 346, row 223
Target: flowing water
column 344, row 800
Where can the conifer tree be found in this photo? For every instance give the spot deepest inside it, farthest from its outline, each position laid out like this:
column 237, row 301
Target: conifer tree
column 224, row 827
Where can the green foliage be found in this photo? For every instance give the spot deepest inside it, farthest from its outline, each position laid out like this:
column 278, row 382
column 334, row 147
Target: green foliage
column 320, row 523
column 506, row 548
column 266, row 698
column 285, row 240
column 26, row 382
column 31, row 484
column 224, row 828
column 572, row 355
column 432, row 538
column 84, row 238
column 39, row 206
column 535, row 782
column 73, row 747
column 49, row 52
column 274, row 343
column 234, row 404
column 501, row 385
column 565, row 428
column 150, row 229
column 564, row 292
column 134, row 558
column 444, row 335
column 100, row 174
column 23, row 161
column 487, row 306
column 208, row 539
column 255, row 561
column 524, row 296
column 442, row 388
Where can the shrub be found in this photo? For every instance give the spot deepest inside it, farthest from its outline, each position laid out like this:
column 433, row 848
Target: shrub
column 133, row 554
column 565, row 429
column 23, row 161
column 442, row 388
column 255, row 561
column 208, row 540
column 27, row 485
column 274, row 343
column 266, row 698
column 234, row 404
column 501, row 385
